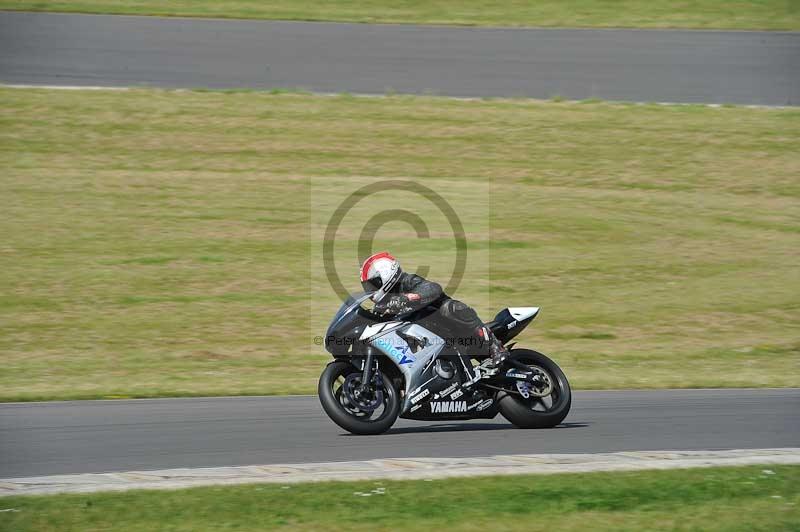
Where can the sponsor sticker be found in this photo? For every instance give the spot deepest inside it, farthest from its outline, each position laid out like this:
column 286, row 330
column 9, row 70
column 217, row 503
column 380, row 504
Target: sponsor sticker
column 402, row 354
column 447, row 391
column 446, row 407
column 420, row 396
column 485, row 404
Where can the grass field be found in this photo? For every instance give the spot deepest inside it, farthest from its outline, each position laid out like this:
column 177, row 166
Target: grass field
column 158, row 243
column 754, row 14
column 731, row 499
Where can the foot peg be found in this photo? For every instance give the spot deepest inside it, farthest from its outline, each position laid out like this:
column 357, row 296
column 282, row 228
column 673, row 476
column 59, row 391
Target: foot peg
column 488, row 367
column 484, row 369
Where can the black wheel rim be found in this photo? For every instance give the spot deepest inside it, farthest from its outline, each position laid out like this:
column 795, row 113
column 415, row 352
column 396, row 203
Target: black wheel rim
column 350, row 407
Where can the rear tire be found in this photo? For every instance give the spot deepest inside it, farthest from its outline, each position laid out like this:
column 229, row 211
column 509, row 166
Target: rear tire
column 356, row 423
column 534, row 413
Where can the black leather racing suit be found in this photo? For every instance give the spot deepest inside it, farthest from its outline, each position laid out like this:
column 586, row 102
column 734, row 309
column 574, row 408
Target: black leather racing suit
column 413, row 292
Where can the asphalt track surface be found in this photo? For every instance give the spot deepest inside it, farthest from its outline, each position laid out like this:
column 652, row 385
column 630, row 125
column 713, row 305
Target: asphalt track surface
column 634, row 65
column 100, row 436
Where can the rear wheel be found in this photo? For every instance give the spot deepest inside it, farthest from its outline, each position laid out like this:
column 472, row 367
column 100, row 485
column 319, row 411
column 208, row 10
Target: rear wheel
column 549, row 400
column 357, row 409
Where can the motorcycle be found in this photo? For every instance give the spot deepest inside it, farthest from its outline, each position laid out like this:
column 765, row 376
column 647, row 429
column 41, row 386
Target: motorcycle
column 385, row 368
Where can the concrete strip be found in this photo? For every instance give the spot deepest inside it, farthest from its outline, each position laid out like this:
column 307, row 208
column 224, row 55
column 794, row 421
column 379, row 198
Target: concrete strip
column 395, row 469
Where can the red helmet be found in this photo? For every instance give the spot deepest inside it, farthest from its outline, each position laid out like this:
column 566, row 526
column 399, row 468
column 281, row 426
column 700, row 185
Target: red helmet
column 379, row 274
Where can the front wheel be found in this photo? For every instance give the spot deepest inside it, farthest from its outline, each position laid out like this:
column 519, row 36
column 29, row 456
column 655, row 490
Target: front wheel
column 358, row 410
column 547, row 405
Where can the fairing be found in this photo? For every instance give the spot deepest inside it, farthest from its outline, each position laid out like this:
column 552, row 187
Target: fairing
column 347, row 324
column 509, row 322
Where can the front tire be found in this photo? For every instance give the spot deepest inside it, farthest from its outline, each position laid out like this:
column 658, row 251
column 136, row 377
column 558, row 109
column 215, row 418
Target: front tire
column 537, row 412
column 348, row 416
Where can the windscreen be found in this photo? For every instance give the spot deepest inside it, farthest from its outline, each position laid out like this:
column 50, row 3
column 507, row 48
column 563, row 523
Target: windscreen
column 351, row 303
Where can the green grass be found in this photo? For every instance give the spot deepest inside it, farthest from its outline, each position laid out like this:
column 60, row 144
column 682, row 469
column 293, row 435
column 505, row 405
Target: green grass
column 157, row 243
column 731, row 499
column 753, row 14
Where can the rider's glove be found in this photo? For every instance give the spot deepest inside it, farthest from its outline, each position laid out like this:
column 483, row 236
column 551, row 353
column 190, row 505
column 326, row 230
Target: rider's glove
column 396, row 304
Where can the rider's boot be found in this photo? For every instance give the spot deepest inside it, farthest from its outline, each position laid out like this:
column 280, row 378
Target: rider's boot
column 497, row 351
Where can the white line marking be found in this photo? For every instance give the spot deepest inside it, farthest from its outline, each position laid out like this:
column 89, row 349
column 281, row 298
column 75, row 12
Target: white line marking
column 68, row 87
column 470, row 27
column 303, row 92
column 199, row 398
column 397, row 469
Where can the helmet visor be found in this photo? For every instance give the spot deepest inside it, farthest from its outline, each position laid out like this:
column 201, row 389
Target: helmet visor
column 372, row 285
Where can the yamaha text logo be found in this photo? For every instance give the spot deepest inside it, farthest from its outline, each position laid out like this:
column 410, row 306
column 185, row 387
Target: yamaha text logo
column 442, row 407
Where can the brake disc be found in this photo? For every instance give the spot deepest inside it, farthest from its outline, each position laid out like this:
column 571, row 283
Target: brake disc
column 362, row 398
column 541, row 385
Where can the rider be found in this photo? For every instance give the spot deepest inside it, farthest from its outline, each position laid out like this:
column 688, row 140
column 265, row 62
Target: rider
column 398, row 292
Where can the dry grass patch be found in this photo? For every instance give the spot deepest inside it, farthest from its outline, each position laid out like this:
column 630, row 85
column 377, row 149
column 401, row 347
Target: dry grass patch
column 157, row 242
column 763, row 14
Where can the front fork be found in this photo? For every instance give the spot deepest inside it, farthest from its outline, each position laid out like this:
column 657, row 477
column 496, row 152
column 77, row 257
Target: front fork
column 370, row 368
